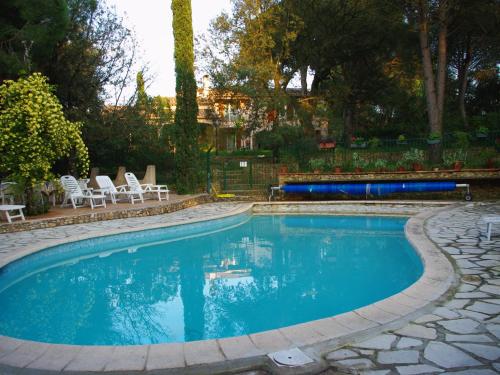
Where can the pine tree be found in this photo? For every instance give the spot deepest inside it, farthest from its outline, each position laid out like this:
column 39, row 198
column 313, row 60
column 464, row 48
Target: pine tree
column 186, row 126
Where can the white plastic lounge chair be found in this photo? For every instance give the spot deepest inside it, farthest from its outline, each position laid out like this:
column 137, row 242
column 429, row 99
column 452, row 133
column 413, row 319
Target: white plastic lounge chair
column 135, row 185
column 12, row 207
column 107, row 187
column 490, row 220
column 73, row 193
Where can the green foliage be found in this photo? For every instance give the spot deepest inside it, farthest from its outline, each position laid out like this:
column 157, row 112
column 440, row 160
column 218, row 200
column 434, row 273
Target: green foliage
column 413, row 155
column 29, row 33
column 358, row 161
column 34, row 131
column 317, row 164
column 186, row 125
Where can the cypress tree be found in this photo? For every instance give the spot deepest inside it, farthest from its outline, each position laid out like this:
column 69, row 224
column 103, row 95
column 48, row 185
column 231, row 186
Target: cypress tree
column 186, row 126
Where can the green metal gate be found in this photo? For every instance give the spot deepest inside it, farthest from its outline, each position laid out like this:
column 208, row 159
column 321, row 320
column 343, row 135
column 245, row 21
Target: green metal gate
column 242, row 174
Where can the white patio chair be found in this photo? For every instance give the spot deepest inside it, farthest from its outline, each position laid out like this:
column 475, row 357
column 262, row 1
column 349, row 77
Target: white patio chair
column 135, row 185
column 73, row 193
column 107, row 187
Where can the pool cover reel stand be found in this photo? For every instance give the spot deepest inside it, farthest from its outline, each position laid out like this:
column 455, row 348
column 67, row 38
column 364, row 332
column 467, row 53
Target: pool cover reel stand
column 377, row 189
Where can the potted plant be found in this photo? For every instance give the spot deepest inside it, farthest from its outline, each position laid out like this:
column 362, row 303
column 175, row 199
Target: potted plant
column 415, row 158
column 358, row 142
column 374, row 142
column 401, row 140
column 338, row 169
column 380, row 165
column 317, row 164
column 488, row 155
column 434, row 138
column 358, row 162
column 460, row 159
column 482, row 132
column 401, row 165
column 455, row 159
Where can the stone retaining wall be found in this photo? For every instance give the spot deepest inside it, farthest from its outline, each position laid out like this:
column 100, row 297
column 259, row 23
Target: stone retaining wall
column 104, row 215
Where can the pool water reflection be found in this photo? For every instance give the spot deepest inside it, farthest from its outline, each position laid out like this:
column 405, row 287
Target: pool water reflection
column 218, row 279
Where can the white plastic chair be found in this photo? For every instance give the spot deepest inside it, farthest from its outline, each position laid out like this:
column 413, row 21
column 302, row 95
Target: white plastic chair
column 135, row 185
column 107, row 187
column 73, row 193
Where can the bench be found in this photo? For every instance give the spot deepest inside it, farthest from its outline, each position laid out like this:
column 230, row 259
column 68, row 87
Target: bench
column 490, row 220
column 12, row 207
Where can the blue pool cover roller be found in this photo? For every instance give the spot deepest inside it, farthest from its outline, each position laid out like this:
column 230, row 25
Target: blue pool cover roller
column 371, row 189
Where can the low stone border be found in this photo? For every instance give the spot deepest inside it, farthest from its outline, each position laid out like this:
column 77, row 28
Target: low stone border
column 243, row 352
column 90, row 217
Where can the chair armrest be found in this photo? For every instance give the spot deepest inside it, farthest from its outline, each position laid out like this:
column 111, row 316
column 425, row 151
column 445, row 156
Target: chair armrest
column 122, row 188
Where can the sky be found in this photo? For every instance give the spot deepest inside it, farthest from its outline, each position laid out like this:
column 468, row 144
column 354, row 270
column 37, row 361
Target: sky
column 152, row 22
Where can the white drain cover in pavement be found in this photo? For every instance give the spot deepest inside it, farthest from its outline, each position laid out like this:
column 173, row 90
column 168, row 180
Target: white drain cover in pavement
column 291, row 357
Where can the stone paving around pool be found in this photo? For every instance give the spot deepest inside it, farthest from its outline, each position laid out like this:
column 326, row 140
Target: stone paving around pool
column 460, row 335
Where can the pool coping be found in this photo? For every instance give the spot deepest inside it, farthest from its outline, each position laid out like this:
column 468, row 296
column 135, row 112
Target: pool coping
column 235, row 354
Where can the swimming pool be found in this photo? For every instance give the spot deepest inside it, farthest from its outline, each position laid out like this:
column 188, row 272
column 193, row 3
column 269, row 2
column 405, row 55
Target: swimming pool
column 214, row 279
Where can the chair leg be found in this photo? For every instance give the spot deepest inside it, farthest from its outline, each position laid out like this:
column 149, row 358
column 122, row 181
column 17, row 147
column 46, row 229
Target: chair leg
column 488, row 231
column 8, row 216
column 73, row 203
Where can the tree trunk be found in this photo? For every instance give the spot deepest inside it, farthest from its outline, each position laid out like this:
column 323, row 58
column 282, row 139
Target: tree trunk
column 348, row 123
column 463, row 70
column 303, row 79
column 434, row 95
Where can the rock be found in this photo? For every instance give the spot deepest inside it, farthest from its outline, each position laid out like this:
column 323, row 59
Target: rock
column 460, row 325
column 398, row 356
column 379, row 342
column 415, row 330
column 447, row 356
column 417, row 369
column 407, row 342
column 484, row 351
column 341, row 354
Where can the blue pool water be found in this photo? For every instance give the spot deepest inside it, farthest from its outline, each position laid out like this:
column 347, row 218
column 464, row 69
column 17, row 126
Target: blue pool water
column 215, row 279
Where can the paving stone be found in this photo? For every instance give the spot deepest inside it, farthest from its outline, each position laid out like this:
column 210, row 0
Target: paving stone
column 488, row 263
column 398, row 356
column 341, row 354
column 378, row 342
column 415, row 330
column 357, row 363
column 466, row 288
column 493, row 289
column 484, row 351
column 495, row 301
column 447, row 356
column 446, row 313
column 467, row 338
column 496, row 366
column 406, row 342
column 494, row 329
column 427, row 318
column 472, row 372
column 464, row 263
column 165, row 356
column 457, row 303
column 473, row 314
column 366, row 352
column 375, row 372
column 471, row 295
column 486, row 308
column 460, row 325
column 418, row 369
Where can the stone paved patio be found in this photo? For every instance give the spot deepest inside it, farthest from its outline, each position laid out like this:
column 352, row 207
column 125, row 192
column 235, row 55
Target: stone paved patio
column 459, row 336
column 462, row 336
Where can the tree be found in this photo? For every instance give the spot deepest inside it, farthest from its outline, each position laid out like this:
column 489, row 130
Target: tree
column 186, row 124
column 34, row 132
column 29, row 33
column 431, row 19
